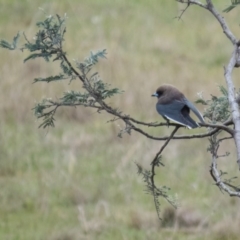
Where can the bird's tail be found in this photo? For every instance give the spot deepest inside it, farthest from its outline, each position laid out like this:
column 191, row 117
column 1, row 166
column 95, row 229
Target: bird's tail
column 190, row 122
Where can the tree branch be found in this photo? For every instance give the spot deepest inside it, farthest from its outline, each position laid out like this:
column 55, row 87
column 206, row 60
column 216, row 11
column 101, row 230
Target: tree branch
column 155, row 163
column 223, row 185
column 222, row 22
column 193, row 2
column 223, row 127
column 232, row 101
column 129, row 121
column 210, row 7
column 234, row 106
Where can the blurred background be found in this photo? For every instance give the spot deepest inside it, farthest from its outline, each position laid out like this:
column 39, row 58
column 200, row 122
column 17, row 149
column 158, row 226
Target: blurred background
column 79, row 180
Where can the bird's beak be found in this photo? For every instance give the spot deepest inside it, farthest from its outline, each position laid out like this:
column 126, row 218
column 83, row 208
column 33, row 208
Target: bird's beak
column 155, row 95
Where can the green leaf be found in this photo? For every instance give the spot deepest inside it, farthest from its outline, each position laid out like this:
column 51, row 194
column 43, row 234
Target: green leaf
column 66, row 69
column 50, row 79
column 48, row 122
column 73, row 97
column 46, row 56
column 232, row 6
column 38, row 109
column 10, row 46
column 202, row 101
column 223, row 91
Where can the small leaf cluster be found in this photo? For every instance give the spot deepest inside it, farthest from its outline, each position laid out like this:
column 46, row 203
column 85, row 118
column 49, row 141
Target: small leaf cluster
column 10, row 46
column 47, row 116
column 48, row 40
column 234, row 4
column 75, row 97
column 104, row 90
column 217, row 108
column 86, row 66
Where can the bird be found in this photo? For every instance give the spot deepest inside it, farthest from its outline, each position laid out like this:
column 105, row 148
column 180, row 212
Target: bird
column 174, row 106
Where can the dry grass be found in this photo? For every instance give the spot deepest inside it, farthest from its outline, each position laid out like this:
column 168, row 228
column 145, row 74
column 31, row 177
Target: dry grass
column 79, row 181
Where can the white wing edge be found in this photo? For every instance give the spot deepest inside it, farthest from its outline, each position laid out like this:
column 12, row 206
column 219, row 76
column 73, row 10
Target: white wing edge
column 177, row 122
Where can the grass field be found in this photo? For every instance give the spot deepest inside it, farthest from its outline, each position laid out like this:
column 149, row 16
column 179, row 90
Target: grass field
column 79, row 180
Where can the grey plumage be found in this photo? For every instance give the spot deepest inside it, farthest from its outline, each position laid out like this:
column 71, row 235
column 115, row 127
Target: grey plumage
column 174, row 106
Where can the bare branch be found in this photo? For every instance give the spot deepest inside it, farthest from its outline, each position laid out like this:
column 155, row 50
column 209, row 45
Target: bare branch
column 164, row 145
column 224, row 185
column 232, row 101
column 177, row 137
column 223, row 127
column 193, row 2
column 221, row 184
column 182, row 11
column 222, row 22
column 210, row 7
column 129, row 121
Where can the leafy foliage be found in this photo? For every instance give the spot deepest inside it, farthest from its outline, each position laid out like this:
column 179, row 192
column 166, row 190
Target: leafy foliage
column 217, row 109
column 48, row 40
column 48, row 44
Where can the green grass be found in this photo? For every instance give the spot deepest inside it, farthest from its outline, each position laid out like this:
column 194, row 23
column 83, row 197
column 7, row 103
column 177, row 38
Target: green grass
column 79, row 180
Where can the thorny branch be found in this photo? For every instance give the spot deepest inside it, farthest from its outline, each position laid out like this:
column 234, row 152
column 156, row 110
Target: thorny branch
column 53, row 47
column 155, row 163
column 131, row 124
column 233, row 62
column 129, row 120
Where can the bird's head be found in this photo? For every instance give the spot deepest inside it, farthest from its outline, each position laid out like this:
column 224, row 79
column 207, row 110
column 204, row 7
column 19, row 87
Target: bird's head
column 158, row 93
column 167, row 93
column 162, row 90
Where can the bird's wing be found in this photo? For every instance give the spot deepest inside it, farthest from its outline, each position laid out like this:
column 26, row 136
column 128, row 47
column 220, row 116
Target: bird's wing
column 194, row 109
column 172, row 111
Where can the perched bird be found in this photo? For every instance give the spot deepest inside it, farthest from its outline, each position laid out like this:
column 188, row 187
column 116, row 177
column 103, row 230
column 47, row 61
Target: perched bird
column 174, row 106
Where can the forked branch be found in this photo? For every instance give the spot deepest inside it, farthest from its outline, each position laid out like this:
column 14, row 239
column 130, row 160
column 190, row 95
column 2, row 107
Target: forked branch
column 233, row 103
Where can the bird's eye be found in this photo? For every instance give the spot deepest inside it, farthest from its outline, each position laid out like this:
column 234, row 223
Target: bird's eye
column 159, row 93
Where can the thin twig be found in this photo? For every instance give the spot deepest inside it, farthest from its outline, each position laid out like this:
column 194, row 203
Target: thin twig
column 210, row 7
column 71, row 67
column 194, row 2
column 155, row 162
column 182, row 12
column 164, row 145
column 223, row 127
